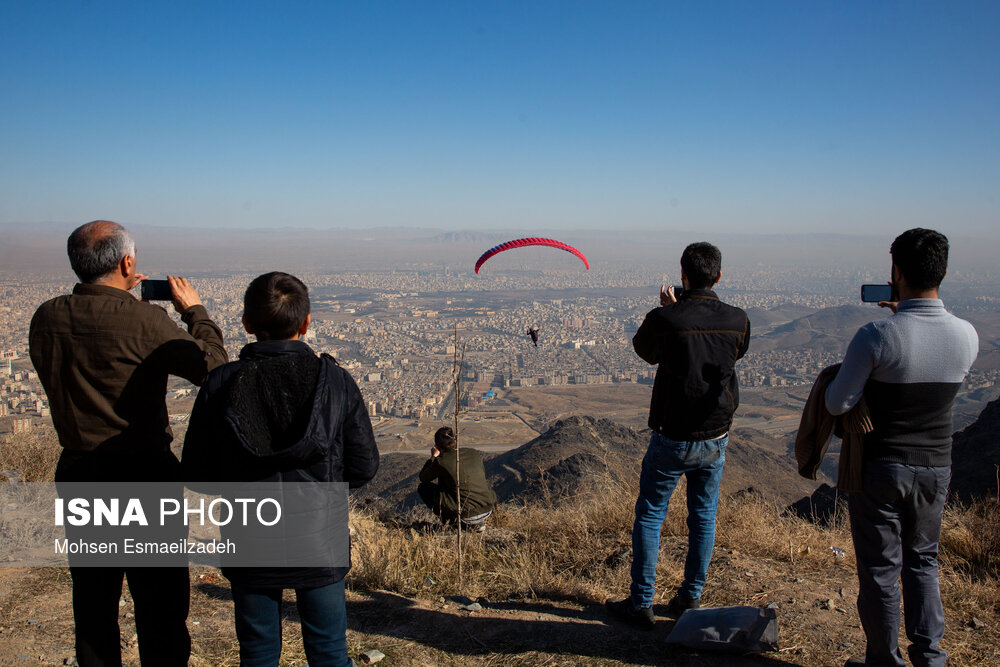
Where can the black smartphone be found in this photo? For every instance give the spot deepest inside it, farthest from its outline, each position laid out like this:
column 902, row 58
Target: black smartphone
column 155, row 290
column 876, row 293
column 678, row 290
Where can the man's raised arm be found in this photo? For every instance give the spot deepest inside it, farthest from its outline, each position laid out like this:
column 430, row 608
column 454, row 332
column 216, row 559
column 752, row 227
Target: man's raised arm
column 191, row 354
column 848, row 386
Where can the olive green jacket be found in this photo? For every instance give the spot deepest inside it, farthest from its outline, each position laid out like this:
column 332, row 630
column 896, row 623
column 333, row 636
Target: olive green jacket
column 477, row 494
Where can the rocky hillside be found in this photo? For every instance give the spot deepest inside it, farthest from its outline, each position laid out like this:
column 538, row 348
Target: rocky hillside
column 976, row 456
column 580, row 455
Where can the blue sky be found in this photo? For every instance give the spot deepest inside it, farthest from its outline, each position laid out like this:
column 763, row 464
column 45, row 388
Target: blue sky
column 742, row 116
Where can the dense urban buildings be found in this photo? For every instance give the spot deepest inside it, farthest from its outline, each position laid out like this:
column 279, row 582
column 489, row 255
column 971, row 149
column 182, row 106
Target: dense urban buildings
column 397, row 330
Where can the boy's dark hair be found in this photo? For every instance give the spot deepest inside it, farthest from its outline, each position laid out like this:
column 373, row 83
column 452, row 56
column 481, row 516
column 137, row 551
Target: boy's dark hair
column 701, row 263
column 275, row 305
column 444, row 439
column 921, row 255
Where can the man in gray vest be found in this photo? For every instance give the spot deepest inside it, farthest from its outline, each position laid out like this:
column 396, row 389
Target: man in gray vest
column 909, row 368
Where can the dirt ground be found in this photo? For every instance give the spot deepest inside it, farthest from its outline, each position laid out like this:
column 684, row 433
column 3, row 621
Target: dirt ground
column 624, row 403
column 817, row 618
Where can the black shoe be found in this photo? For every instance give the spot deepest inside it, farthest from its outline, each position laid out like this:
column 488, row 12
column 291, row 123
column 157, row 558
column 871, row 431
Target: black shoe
column 680, row 604
column 623, row 610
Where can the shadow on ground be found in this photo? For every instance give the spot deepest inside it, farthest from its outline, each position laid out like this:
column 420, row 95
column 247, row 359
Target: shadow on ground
column 529, row 627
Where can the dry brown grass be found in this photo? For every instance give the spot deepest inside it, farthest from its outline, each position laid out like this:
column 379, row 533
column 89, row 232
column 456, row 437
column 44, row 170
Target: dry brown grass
column 970, row 538
column 576, row 550
column 33, row 454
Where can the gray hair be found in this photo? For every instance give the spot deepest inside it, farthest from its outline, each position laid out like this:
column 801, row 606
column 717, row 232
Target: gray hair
column 96, row 248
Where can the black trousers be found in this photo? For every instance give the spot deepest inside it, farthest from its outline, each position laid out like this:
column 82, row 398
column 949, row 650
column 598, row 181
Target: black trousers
column 161, row 596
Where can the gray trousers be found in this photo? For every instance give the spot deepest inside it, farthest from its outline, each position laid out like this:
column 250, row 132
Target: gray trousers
column 896, row 525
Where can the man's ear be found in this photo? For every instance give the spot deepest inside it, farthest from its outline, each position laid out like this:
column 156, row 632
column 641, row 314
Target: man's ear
column 718, row 277
column 304, row 327
column 896, row 275
column 246, row 327
column 126, row 267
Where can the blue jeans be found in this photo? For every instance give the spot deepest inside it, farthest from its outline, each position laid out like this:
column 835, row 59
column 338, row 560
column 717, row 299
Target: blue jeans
column 323, row 614
column 896, row 525
column 701, row 461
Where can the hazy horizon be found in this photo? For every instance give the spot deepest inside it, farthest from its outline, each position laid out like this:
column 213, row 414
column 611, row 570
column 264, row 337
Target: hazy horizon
column 41, row 248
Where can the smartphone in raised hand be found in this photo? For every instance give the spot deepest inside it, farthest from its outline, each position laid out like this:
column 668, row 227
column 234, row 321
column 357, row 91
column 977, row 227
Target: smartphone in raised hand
column 155, row 290
column 876, row 293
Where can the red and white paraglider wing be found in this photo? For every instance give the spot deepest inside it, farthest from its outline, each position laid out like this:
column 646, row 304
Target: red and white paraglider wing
column 532, row 241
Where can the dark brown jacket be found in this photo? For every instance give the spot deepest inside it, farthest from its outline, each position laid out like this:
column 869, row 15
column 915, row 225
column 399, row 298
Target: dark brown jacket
column 818, row 425
column 103, row 358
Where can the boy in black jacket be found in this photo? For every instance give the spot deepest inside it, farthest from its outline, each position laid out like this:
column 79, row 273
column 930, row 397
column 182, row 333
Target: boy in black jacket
column 281, row 413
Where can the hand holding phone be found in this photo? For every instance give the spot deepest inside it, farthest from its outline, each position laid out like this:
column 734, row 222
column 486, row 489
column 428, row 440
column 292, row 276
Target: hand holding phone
column 174, row 288
column 184, row 295
column 155, row 290
column 669, row 295
column 876, row 293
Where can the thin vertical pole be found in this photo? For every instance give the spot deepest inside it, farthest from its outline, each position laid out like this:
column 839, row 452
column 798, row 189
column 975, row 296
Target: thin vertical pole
column 456, row 380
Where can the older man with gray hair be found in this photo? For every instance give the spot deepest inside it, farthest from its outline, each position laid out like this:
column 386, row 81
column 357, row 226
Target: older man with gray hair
column 103, row 358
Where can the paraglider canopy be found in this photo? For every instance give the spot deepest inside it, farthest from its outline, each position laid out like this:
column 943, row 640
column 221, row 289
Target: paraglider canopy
column 532, row 241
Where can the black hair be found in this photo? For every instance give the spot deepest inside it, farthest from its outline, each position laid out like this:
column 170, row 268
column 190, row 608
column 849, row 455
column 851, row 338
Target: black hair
column 921, row 255
column 444, row 439
column 701, row 263
column 275, row 305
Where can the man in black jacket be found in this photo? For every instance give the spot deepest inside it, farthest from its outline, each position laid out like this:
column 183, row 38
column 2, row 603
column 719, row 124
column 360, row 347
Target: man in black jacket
column 695, row 340
column 281, row 413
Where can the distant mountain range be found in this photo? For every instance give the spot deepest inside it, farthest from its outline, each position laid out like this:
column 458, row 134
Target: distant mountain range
column 825, row 330
column 41, row 246
column 791, row 327
column 764, row 320
column 473, row 237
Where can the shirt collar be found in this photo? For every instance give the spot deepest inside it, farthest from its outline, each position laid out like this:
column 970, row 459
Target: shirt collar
column 917, row 304
column 94, row 289
column 700, row 292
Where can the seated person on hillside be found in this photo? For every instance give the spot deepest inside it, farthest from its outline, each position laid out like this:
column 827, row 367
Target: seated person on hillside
column 477, row 496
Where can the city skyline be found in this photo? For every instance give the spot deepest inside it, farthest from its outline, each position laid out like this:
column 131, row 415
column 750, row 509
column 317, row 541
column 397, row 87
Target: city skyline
column 722, row 118
column 395, row 331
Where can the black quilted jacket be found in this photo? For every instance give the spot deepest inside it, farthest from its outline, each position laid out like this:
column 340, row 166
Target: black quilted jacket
column 280, row 413
column 695, row 343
